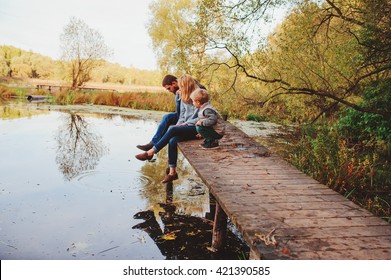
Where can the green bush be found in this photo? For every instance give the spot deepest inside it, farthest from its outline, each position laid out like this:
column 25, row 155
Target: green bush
column 360, row 171
column 255, row 117
column 364, row 127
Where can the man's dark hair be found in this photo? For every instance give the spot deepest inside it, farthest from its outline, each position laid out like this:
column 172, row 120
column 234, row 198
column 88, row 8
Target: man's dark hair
column 168, row 80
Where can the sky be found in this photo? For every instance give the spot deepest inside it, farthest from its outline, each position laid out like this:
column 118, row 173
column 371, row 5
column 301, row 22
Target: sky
column 36, row 25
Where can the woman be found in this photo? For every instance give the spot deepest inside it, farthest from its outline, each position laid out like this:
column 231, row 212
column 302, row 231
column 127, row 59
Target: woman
column 183, row 130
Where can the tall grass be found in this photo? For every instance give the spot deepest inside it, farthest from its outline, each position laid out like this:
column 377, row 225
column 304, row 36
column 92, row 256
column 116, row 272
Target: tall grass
column 5, row 93
column 141, row 100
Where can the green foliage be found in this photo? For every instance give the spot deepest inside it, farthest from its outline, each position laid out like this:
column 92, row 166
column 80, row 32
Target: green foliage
column 362, row 173
column 255, row 117
column 178, row 31
column 369, row 128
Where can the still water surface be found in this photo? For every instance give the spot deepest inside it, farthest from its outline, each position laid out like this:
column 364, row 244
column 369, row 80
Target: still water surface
column 70, row 188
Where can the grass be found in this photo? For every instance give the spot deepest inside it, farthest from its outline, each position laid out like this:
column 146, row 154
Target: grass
column 140, row 100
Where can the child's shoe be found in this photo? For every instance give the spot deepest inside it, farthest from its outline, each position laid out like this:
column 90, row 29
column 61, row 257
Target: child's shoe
column 210, row 145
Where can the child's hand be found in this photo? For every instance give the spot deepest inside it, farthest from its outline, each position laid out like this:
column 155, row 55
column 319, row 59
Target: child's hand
column 198, row 123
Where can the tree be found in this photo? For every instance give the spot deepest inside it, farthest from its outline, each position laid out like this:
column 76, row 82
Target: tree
column 324, row 52
column 8, row 53
column 4, row 69
column 32, row 65
column 83, row 48
column 329, row 52
column 178, row 35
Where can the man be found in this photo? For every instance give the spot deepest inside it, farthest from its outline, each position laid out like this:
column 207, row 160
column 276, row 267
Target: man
column 170, row 83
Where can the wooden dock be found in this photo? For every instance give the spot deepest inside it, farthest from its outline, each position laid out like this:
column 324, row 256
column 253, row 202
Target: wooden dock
column 281, row 212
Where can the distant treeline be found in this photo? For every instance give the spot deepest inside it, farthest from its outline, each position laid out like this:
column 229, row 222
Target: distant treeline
column 18, row 63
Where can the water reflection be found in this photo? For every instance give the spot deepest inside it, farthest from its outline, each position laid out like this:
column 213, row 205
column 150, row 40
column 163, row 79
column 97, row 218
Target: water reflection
column 17, row 110
column 110, row 205
column 191, row 197
column 78, row 147
column 179, row 236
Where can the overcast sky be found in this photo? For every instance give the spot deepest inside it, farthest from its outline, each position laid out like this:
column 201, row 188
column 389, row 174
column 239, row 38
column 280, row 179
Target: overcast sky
column 36, row 25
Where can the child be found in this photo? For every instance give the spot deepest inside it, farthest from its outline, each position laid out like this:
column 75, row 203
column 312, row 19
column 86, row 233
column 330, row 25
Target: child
column 210, row 124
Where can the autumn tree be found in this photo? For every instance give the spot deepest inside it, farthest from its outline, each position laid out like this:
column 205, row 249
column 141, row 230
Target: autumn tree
column 178, row 33
column 324, row 52
column 32, row 65
column 84, row 49
column 15, row 62
column 327, row 51
column 7, row 54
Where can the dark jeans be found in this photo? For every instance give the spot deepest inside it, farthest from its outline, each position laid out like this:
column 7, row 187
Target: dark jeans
column 174, row 135
column 167, row 120
column 208, row 133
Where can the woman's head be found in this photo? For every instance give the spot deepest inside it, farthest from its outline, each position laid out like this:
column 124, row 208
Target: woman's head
column 186, row 85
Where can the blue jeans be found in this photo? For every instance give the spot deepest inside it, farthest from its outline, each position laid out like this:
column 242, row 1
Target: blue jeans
column 174, row 135
column 167, row 120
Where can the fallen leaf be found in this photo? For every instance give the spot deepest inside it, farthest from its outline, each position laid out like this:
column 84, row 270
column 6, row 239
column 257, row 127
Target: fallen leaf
column 169, row 236
column 285, row 251
column 211, row 249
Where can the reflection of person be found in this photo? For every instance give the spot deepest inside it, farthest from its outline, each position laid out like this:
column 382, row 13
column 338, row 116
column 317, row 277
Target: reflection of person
column 182, row 237
column 183, row 130
column 170, row 83
column 210, row 124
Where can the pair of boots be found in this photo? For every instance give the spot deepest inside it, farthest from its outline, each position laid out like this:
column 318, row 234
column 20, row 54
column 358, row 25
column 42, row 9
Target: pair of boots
column 145, row 156
column 206, row 145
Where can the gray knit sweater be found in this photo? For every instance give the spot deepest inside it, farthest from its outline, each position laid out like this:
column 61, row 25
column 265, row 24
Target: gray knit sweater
column 210, row 117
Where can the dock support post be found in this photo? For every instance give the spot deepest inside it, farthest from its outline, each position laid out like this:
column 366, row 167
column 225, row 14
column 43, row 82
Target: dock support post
column 219, row 228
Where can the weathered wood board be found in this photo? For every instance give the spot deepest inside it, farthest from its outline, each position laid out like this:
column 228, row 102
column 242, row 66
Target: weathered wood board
column 281, row 212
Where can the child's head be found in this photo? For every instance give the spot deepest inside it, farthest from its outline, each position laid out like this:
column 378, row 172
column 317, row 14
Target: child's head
column 199, row 96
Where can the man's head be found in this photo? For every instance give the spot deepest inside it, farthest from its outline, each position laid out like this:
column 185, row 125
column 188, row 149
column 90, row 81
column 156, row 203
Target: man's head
column 170, row 83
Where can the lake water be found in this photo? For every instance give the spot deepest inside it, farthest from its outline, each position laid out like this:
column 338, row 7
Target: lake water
column 70, row 188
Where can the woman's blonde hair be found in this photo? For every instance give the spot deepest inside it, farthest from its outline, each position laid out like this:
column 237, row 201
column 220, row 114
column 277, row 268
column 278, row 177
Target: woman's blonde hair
column 186, row 85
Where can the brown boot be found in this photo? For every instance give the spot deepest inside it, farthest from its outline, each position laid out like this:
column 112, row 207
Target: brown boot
column 145, row 147
column 170, row 178
column 144, row 156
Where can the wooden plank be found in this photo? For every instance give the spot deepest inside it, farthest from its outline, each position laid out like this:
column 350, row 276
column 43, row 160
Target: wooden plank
column 262, row 194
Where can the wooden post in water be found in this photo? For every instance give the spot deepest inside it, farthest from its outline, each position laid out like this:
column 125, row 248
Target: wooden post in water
column 219, row 228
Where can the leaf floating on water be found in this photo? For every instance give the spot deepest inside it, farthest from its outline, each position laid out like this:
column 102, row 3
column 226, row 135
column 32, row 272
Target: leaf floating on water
column 214, row 250
column 169, row 236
